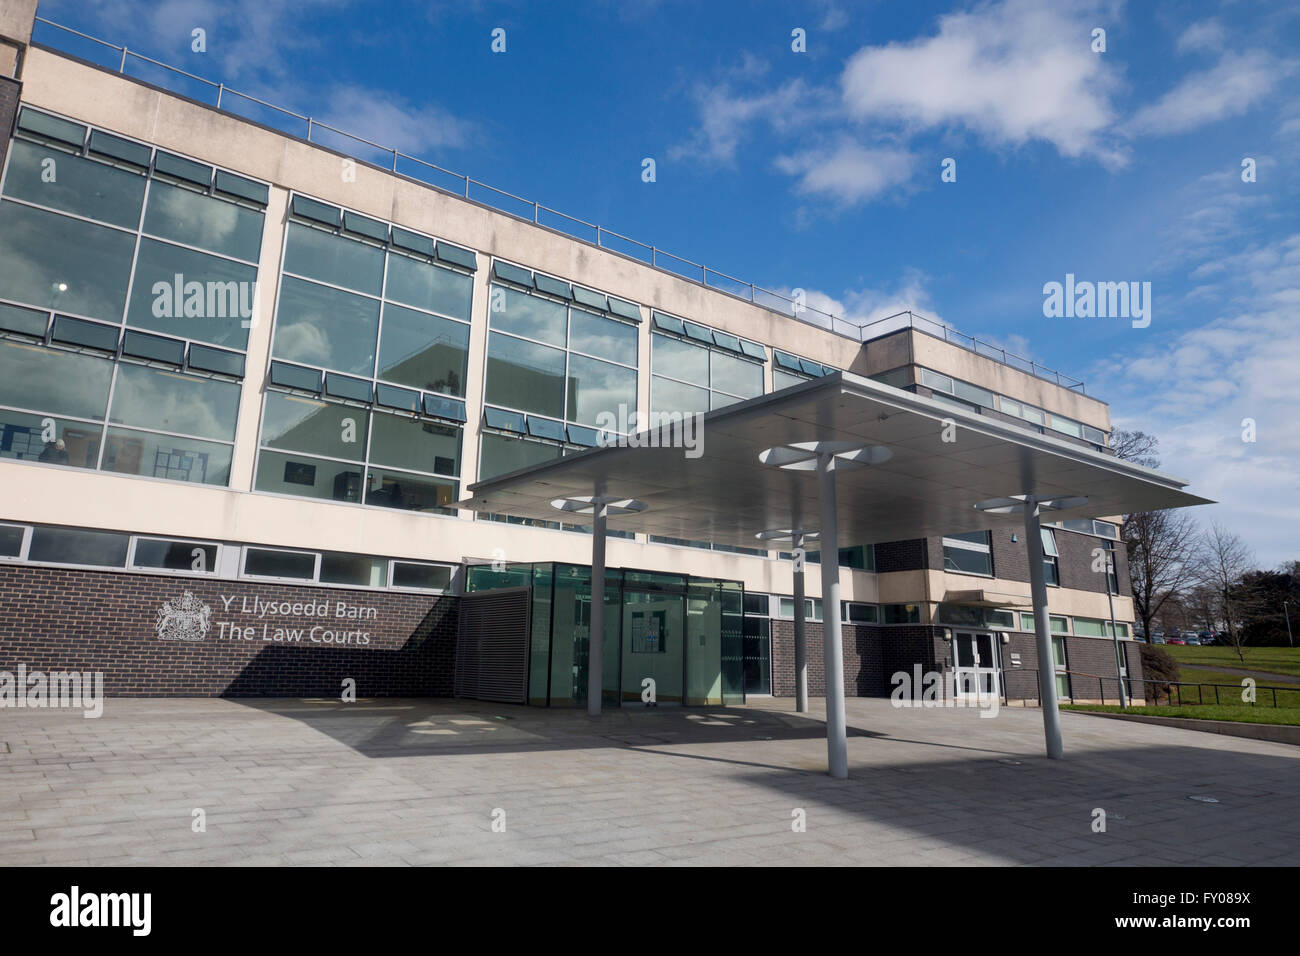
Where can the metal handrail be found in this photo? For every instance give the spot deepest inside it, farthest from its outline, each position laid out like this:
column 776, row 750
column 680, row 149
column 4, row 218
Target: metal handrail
column 790, row 306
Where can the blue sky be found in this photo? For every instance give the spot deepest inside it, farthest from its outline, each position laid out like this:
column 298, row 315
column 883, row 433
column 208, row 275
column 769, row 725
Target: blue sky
column 820, row 170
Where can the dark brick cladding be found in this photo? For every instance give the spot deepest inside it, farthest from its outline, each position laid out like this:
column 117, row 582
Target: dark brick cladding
column 1011, row 561
column 65, row 619
column 9, row 95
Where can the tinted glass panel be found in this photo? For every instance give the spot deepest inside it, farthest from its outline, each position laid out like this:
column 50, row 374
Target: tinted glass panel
column 82, row 186
column 500, row 455
column 215, row 360
column 52, row 380
column 76, row 546
column 414, row 443
column 970, row 562
column 175, row 555
column 26, row 321
column 353, row 569
column 295, row 376
column 429, row 287
column 596, row 387
column 423, row 350
column 602, row 337
column 399, row 489
column 333, row 259
column 427, row 576
column 322, row 428
column 169, row 401
column 679, row 359
column 341, row 386
column 280, row 564
column 203, row 221
column 525, row 375
column 326, row 327
column 781, row 379
column 11, row 541
column 529, row 315
column 80, row 332
column 212, row 302
column 22, row 436
column 736, row 376
column 295, row 474
column 160, row 456
column 669, row 396
column 55, row 262
column 153, row 347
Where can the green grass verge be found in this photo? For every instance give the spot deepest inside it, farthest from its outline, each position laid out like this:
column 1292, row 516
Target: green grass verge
column 1242, row 713
column 1274, row 660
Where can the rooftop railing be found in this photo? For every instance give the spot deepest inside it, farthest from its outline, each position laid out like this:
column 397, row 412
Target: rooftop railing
column 304, row 126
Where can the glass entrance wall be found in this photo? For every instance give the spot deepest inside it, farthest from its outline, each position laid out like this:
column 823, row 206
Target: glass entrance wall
column 685, row 634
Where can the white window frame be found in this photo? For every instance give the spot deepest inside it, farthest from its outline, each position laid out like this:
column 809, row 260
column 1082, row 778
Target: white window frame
column 23, row 545
column 136, row 538
column 964, row 545
column 451, row 576
column 243, row 565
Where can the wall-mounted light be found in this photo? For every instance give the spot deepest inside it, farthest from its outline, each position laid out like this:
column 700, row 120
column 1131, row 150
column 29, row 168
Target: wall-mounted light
column 947, row 634
column 1006, row 638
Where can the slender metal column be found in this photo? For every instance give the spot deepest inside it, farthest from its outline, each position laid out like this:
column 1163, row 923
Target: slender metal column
column 1114, row 631
column 596, row 637
column 800, row 635
column 837, row 753
column 1042, row 630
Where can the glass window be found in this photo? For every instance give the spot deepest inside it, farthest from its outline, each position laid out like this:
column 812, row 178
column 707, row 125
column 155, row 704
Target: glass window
column 901, row 613
column 427, row 286
column 52, row 380
column 11, row 540
column 972, row 393
column 1067, row 426
column 175, row 555
column 23, row 436
column 194, row 219
column 415, row 443
column 326, row 327
column 968, row 553
column 400, row 489
column 291, row 473
column 424, row 577
column 602, row 337
column 501, row 455
column 782, row 379
column 597, row 387
column 78, row 546
column 669, row 396
column 357, row 569
column 1091, row 627
column 81, row 186
column 54, row 262
column 525, row 375
column 264, row 563
column 423, row 351
column 294, row 423
column 681, row 360
column 160, row 456
column 318, row 254
column 528, row 315
column 936, row 381
column 172, row 402
column 24, row 321
column 735, row 376
column 212, row 302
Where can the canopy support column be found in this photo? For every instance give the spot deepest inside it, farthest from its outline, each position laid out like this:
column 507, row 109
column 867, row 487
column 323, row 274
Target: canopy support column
column 596, row 636
column 837, row 756
column 1042, row 631
column 800, row 631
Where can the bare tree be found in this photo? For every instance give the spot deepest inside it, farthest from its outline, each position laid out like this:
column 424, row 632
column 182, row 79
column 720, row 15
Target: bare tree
column 1222, row 561
column 1161, row 545
column 1162, row 551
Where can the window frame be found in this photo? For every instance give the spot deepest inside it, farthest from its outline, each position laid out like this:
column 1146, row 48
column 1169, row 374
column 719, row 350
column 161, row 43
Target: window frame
column 131, row 564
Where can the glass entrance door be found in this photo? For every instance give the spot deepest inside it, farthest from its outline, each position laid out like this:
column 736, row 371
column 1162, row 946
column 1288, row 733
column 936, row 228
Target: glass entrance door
column 976, row 669
column 653, row 642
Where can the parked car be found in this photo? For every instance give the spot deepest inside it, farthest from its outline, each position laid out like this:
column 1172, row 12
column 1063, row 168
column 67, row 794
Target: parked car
column 1206, row 637
column 1192, row 640
column 1176, row 640
column 1157, row 637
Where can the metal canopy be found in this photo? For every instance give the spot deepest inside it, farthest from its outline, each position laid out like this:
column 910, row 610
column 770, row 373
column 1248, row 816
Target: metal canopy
column 928, row 487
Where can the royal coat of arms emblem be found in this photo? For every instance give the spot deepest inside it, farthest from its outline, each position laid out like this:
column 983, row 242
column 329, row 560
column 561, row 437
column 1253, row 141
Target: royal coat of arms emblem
column 184, row 619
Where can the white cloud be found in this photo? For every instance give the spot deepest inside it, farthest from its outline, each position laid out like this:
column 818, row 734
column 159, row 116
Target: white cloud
column 848, row 172
column 1229, row 88
column 868, row 305
column 1205, row 35
column 727, row 118
column 1013, row 72
column 1194, row 388
column 385, row 118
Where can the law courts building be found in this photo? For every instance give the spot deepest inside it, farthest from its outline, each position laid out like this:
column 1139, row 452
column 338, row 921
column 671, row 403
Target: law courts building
column 271, row 418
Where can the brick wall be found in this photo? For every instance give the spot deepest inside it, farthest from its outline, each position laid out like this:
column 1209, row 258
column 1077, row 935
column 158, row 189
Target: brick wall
column 1011, row 559
column 65, row 619
column 1086, row 655
column 901, row 556
column 871, row 654
column 9, row 90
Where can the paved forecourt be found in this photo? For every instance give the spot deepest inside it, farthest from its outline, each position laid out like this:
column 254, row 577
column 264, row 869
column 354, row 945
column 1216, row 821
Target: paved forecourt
column 399, row 781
